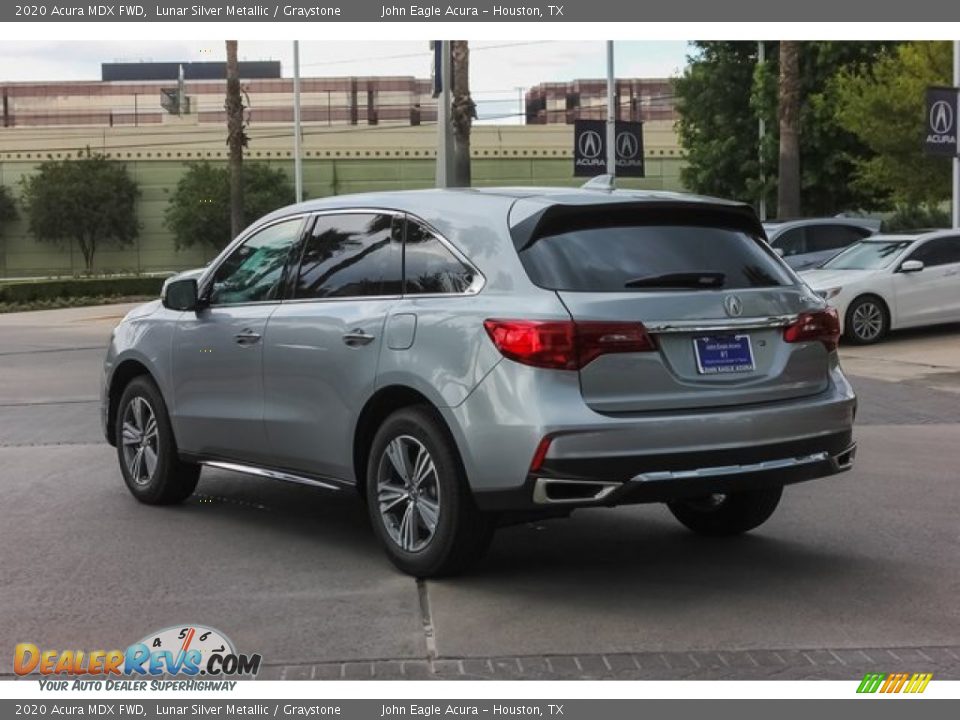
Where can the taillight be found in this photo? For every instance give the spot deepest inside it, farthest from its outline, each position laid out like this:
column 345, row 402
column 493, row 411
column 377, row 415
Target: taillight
column 823, row 325
column 565, row 345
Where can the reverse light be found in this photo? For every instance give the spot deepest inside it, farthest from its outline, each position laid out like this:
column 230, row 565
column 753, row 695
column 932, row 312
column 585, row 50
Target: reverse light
column 565, row 344
column 822, row 326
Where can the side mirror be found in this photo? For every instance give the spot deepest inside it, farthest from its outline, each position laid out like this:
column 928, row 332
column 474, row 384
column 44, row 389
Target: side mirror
column 180, row 295
column 911, row 266
column 779, row 251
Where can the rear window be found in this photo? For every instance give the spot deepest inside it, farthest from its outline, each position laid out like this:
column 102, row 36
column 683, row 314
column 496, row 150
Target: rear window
column 651, row 258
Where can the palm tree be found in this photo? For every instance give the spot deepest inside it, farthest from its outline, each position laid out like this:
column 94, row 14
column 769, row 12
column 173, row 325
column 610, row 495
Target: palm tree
column 463, row 111
column 788, row 189
column 236, row 138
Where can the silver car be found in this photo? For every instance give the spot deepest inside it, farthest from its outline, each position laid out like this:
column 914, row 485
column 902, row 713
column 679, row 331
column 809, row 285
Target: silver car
column 810, row 242
column 470, row 358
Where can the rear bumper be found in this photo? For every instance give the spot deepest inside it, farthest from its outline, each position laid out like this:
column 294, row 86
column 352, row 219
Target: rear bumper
column 662, row 478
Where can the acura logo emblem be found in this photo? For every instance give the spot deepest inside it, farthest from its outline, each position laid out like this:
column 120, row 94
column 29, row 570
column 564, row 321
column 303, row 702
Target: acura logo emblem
column 627, row 145
column 590, row 144
column 941, row 117
column 733, row 305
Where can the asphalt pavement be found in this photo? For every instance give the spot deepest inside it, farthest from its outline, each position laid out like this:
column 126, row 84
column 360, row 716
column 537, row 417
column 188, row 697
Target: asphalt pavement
column 855, row 573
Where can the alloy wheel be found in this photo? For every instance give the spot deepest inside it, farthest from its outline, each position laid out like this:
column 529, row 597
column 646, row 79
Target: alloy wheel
column 141, row 441
column 408, row 493
column 867, row 321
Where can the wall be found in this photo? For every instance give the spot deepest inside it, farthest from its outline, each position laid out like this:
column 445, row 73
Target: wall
column 335, row 163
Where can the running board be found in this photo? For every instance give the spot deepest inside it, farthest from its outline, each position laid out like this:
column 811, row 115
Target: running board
column 268, row 473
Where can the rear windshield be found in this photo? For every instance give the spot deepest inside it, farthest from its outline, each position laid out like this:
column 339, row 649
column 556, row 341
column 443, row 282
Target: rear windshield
column 647, row 258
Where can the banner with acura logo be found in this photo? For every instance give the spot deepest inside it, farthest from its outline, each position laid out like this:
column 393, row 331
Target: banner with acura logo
column 590, row 148
column 940, row 135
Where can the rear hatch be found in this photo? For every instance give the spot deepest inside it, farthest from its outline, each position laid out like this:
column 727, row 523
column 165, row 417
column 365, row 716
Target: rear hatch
column 703, row 283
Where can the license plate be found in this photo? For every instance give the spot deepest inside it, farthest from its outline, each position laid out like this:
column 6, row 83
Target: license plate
column 723, row 354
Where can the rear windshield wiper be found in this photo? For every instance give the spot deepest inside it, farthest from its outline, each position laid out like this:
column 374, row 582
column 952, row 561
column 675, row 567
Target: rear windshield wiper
column 684, row 280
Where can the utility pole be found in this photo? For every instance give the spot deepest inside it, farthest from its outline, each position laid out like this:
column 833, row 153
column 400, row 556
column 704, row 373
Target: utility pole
column 956, row 130
column 522, row 106
column 297, row 150
column 762, row 127
column 444, row 126
column 236, row 138
column 611, row 114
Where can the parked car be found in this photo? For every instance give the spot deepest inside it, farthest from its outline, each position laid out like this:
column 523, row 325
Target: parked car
column 810, row 242
column 471, row 358
column 888, row 282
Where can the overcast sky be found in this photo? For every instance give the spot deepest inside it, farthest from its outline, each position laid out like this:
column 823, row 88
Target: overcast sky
column 497, row 69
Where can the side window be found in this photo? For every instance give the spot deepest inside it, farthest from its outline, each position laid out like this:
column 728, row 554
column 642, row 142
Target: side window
column 832, row 237
column 253, row 272
column 431, row 268
column 351, row 255
column 942, row 251
column 792, row 242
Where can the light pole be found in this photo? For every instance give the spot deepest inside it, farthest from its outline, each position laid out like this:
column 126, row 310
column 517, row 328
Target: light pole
column 444, row 126
column 611, row 114
column 762, row 127
column 956, row 130
column 297, row 159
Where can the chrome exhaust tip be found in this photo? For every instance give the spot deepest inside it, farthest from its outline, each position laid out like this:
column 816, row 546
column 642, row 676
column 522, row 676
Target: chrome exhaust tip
column 550, row 491
column 844, row 461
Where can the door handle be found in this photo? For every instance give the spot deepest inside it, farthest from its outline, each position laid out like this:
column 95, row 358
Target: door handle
column 247, row 337
column 357, row 337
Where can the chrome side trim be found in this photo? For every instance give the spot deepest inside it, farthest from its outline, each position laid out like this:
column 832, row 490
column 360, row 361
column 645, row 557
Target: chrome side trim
column 541, row 496
column 694, row 326
column 268, row 473
column 722, row 470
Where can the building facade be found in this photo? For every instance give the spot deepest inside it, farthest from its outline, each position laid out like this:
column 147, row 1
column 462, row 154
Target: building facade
column 636, row 99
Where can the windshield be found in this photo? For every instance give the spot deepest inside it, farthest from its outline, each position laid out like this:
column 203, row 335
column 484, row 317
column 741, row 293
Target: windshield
column 867, row 255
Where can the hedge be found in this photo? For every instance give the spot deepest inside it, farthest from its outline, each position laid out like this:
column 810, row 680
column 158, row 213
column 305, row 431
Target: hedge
column 27, row 292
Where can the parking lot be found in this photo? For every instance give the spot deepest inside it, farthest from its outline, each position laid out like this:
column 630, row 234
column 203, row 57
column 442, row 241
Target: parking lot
column 856, row 573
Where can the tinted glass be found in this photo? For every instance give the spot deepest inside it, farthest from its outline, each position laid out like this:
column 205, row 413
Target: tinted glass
column 942, row 251
column 351, row 255
column 254, row 271
column 646, row 257
column 832, row 237
column 792, row 242
column 867, row 255
column 429, row 266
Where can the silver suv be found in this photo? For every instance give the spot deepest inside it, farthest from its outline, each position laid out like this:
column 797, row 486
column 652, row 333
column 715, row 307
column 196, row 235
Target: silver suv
column 470, row 358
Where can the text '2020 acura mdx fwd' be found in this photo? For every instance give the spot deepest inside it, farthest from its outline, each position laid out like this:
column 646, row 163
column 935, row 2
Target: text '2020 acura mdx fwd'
column 468, row 358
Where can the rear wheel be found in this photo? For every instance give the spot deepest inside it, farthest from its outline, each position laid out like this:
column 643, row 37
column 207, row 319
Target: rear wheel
column 418, row 499
column 146, row 449
column 867, row 320
column 727, row 514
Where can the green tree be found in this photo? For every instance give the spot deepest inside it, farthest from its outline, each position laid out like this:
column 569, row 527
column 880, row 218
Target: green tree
column 8, row 209
column 723, row 93
column 884, row 109
column 89, row 201
column 199, row 208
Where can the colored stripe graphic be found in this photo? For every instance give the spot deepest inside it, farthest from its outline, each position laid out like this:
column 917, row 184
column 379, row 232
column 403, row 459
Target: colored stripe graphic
column 890, row 683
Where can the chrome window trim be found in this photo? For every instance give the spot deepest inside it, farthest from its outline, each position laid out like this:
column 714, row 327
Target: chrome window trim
column 479, row 279
column 207, row 277
column 692, row 326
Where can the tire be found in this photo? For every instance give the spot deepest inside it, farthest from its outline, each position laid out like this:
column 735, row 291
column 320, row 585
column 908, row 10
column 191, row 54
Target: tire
column 733, row 514
column 402, row 507
column 867, row 320
column 170, row 480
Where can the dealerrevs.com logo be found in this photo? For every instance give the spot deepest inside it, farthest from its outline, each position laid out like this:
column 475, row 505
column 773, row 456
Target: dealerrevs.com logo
column 179, row 651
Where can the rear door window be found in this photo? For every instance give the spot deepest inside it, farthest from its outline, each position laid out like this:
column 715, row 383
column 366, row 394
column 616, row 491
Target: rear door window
column 658, row 257
column 351, row 255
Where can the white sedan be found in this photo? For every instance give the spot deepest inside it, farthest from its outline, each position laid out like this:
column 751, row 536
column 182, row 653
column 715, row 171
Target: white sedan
column 889, row 282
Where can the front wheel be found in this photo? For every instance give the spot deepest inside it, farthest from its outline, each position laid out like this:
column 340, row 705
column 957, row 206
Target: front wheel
column 727, row 514
column 146, row 448
column 419, row 502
